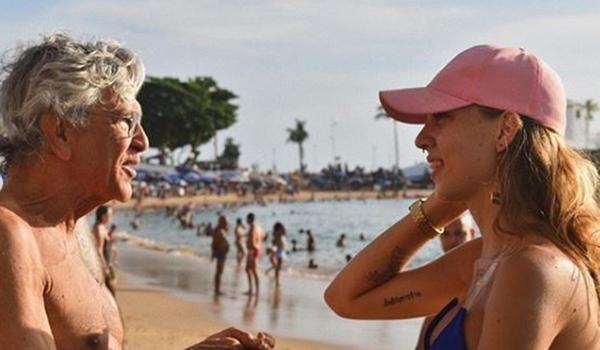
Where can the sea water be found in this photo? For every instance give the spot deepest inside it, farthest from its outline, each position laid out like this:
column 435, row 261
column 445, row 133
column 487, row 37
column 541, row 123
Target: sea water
column 327, row 220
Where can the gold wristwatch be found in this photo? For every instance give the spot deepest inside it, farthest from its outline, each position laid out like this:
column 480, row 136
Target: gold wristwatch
column 417, row 214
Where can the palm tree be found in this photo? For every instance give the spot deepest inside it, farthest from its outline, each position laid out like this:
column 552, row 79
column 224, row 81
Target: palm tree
column 382, row 114
column 298, row 135
column 590, row 107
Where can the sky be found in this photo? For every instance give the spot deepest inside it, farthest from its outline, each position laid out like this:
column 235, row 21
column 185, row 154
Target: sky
column 322, row 62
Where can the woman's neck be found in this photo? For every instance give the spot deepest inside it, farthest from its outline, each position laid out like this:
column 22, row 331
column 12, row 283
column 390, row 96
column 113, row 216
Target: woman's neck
column 485, row 213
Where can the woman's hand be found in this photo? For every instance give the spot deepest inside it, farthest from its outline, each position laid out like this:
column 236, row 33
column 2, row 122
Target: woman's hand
column 440, row 212
column 235, row 339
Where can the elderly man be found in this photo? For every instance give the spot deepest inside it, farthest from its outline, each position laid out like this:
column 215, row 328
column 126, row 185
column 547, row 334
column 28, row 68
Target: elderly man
column 71, row 137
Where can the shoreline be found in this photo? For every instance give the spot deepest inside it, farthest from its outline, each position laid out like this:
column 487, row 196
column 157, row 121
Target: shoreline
column 302, row 196
column 166, row 302
column 156, row 318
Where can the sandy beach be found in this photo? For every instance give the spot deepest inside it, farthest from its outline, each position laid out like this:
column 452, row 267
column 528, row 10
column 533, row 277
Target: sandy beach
column 158, row 317
column 166, row 302
column 155, row 320
column 303, row 196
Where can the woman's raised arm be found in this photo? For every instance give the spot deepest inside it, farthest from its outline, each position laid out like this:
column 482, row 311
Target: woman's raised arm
column 374, row 286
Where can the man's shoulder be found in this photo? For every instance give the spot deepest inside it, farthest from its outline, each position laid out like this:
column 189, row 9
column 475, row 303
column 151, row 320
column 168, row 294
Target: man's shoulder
column 16, row 236
column 11, row 221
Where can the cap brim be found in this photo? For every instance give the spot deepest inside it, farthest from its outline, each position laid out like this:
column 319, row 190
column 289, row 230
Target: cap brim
column 413, row 105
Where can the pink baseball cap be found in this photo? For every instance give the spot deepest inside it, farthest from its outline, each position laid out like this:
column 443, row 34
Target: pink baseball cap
column 504, row 78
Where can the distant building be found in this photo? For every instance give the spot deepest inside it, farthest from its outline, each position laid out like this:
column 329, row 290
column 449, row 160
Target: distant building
column 577, row 132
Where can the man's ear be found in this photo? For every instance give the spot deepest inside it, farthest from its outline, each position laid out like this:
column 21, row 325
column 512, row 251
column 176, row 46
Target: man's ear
column 510, row 124
column 54, row 130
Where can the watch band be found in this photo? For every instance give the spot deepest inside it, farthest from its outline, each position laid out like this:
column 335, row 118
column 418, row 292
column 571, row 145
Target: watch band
column 417, row 214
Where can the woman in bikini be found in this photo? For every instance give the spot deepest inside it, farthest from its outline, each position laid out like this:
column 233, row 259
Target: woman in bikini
column 493, row 124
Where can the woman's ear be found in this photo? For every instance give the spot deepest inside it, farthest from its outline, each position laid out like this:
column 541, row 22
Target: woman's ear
column 54, row 131
column 510, row 124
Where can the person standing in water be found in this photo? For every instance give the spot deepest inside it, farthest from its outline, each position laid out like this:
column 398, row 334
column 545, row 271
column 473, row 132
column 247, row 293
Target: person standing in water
column 219, row 247
column 280, row 246
column 240, row 245
column 254, row 241
column 102, row 238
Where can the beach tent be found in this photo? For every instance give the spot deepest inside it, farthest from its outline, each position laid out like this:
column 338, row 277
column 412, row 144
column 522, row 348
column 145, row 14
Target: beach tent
column 236, row 176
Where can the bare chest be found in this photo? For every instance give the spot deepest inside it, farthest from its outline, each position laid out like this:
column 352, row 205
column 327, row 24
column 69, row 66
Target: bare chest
column 82, row 313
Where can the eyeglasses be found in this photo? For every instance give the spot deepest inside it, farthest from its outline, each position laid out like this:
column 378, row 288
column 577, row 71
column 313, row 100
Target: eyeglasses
column 128, row 123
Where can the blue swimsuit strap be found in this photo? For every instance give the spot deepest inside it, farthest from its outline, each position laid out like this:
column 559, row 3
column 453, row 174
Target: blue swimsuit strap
column 436, row 320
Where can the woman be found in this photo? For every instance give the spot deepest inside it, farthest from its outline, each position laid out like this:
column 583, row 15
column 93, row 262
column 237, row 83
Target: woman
column 493, row 123
column 239, row 241
column 219, row 247
column 102, row 236
column 279, row 246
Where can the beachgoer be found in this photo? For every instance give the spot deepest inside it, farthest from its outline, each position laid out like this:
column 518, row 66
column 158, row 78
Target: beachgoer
column 254, row 240
column 219, row 249
column 100, row 231
column 341, row 242
column 270, row 252
column 294, row 245
column 456, row 233
column 109, row 251
column 494, row 120
column 310, row 241
column 239, row 240
column 312, row 265
column 348, row 258
column 279, row 246
column 70, row 136
column 135, row 223
column 361, row 237
column 208, row 229
column 110, row 258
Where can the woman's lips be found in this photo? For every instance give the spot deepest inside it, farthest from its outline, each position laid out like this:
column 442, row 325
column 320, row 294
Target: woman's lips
column 435, row 166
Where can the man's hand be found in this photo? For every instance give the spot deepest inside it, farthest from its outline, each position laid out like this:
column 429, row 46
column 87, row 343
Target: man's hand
column 235, row 339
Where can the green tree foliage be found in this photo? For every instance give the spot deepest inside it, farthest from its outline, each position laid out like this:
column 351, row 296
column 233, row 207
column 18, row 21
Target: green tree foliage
column 230, row 155
column 591, row 107
column 299, row 135
column 381, row 114
column 231, row 150
column 179, row 113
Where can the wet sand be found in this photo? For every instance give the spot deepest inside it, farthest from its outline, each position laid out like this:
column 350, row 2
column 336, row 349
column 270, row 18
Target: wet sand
column 167, row 303
column 154, row 320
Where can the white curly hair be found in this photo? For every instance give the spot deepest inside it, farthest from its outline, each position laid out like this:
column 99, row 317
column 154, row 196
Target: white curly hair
column 64, row 76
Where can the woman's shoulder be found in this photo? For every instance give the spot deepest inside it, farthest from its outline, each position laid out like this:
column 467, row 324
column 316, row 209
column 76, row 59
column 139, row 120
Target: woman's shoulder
column 541, row 260
column 542, row 282
column 543, row 271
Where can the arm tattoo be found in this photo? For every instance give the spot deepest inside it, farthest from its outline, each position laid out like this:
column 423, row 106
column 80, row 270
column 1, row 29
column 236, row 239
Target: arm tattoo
column 401, row 298
column 397, row 258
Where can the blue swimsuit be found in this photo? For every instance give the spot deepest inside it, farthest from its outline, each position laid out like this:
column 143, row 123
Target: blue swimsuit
column 452, row 337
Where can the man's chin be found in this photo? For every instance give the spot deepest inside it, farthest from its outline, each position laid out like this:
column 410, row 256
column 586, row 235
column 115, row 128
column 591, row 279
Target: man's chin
column 124, row 193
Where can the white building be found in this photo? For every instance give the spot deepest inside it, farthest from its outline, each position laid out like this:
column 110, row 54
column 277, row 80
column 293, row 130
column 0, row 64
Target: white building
column 577, row 132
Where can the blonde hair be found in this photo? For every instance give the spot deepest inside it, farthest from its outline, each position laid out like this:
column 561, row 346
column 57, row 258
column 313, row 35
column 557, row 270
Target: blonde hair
column 550, row 190
column 63, row 76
